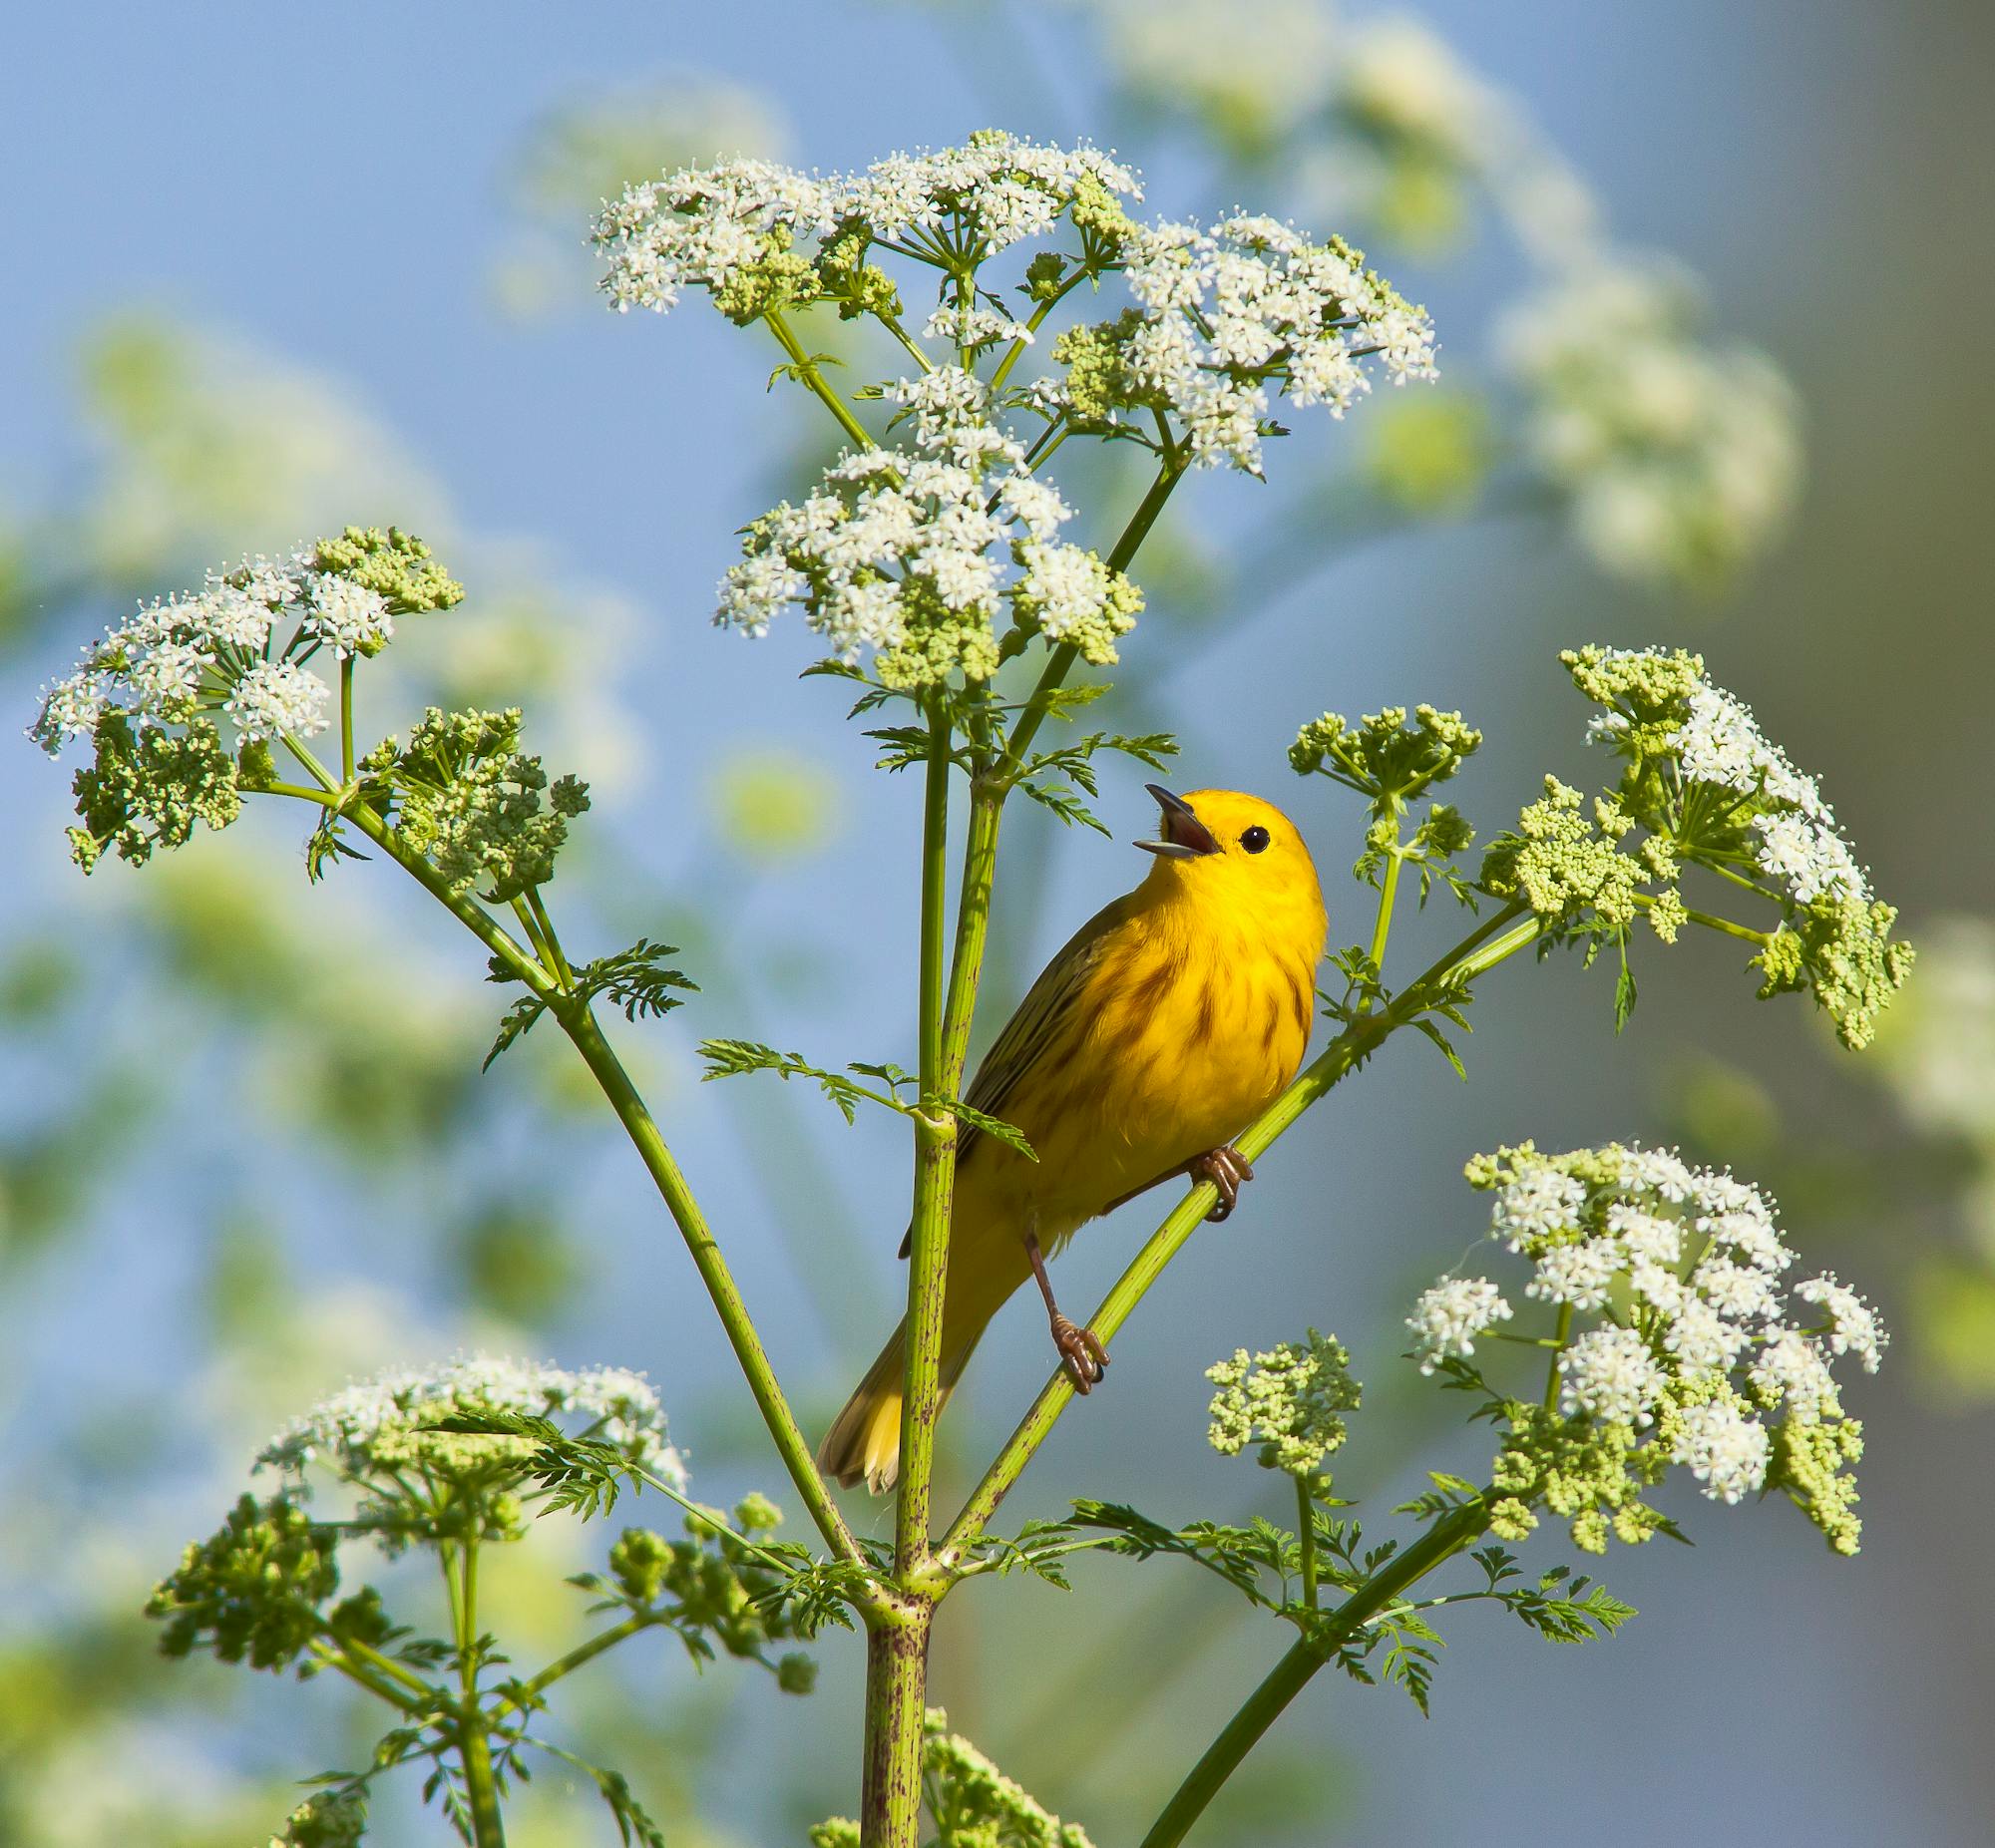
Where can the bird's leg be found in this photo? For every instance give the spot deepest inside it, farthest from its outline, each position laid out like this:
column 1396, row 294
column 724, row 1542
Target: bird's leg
column 1079, row 1348
column 1228, row 1170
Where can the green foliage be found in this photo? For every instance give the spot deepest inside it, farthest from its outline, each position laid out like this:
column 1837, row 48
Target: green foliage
column 732, row 1059
column 632, row 979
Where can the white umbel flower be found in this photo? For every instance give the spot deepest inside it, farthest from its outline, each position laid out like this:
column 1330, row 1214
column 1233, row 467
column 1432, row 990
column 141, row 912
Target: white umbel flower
column 1610, row 1374
column 1448, row 1318
column 1726, row 1450
column 346, row 1429
column 278, row 697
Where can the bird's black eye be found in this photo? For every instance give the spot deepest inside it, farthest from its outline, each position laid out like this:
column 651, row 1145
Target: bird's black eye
column 1255, row 839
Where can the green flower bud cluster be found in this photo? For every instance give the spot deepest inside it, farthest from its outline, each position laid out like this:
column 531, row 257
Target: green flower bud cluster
column 465, row 798
column 714, row 1589
column 253, row 1590
column 149, row 787
column 395, row 566
column 1567, row 864
column 986, row 1809
column 1290, row 1400
column 1383, row 757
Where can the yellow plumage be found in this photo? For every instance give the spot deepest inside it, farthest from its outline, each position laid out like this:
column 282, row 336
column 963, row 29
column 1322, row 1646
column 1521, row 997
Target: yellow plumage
column 1168, row 1022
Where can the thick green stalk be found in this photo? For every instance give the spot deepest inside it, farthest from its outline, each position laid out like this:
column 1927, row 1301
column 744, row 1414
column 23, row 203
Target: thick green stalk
column 481, row 1787
column 1297, row 1668
column 897, row 1669
column 1484, row 947
column 934, row 1177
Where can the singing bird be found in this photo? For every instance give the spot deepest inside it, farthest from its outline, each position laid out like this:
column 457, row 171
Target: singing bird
column 1171, row 1020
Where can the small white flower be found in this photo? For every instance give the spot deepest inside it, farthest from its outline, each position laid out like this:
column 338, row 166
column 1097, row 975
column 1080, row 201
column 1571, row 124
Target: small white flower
column 348, row 616
column 1540, row 1203
column 1448, row 1318
column 275, row 698
column 1854, row 1327
column 1579, row 1273
column 169, row 674
column 1725, row 1450
column 1702, row 1337
column 70, row 710
column 1793, row 1373
column 1611, row 1375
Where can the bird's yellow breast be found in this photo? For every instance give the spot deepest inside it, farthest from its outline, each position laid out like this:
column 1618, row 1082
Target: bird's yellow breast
column 1192, row 1017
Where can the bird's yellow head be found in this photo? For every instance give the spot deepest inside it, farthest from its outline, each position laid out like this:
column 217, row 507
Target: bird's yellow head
column 1223, row 847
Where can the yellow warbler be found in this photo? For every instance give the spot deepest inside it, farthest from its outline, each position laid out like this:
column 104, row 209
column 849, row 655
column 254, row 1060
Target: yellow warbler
column 1172, row 1018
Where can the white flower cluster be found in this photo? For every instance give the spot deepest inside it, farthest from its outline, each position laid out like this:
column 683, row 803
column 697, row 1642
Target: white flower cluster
column 182, row 654
column 1800, row 844
column 1720, row 744
column 1253, row 304
column 1448, row 1318
column 376, row 1418
column 213, row 651
column 1681, row 459
column 1685, row 1265
column 707, row 226
column 910, row 555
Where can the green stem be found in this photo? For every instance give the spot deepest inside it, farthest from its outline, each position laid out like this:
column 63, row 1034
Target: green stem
column 1305, row 1532
column 549, row 937
column 1017, row 347
column 1388, row 891
column 1559, row 1339
column 1727, row 927
column 892, row 324
column 934, row 1177
column 346, row 719
column 582, row 1030
column 580, row 1027
column 897, row 1660
column 1066, row 654
column 577, row 1658
column 1297, row 1668
column 808, row 372
column 333, row 1657
column 472, row 915
column 481, row 1786
column 1484, row 947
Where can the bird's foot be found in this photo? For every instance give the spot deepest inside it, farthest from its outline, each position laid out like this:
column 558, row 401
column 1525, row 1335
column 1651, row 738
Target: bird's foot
column 1082, row 1353
column 1228, row 1171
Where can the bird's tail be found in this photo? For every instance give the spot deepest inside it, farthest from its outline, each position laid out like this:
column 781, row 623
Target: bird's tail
column 865, row 1438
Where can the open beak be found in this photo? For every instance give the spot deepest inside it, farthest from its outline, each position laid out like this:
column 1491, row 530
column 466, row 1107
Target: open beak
column 1185, row 837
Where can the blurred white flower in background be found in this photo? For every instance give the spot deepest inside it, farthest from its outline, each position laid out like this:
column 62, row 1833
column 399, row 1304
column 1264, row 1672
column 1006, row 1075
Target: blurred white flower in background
column 582, row 152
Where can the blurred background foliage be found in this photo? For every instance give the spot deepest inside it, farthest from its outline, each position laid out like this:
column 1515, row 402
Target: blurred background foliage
column 245, row 1148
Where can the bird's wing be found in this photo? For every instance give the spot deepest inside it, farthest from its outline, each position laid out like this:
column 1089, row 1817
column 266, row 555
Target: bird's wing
column 1042, row 1025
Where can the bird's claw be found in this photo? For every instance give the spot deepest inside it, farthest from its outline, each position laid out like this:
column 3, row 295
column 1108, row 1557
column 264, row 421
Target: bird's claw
column 1228, row 1171
column 1081, row 1352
